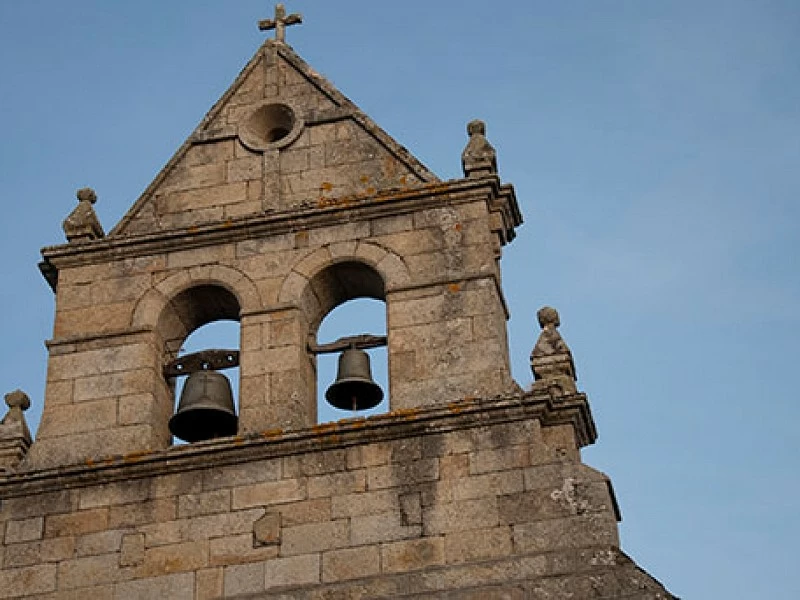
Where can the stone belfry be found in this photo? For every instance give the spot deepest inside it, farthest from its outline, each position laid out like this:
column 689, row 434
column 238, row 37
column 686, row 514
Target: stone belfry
column 285, row 202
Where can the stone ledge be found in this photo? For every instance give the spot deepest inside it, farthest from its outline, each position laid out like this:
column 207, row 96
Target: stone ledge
column 329, row 213
column 464, row 414
column 598, row 572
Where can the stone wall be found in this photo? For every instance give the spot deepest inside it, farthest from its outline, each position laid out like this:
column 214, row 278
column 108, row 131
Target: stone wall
column 125, row 305
column 475, row 497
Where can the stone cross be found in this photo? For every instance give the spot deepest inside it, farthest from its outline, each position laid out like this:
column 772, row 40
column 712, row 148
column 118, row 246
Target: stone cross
column 280, row 22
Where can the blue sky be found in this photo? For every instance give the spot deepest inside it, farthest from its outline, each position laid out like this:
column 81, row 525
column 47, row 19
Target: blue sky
column 654, row 147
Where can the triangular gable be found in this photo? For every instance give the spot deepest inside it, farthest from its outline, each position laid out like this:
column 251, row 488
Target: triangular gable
column 281, row 137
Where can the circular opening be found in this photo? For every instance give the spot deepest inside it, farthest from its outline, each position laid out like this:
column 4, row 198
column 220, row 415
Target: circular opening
column 272, row 122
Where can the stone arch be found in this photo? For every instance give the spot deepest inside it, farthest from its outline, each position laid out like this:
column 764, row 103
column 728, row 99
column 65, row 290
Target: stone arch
column 150, row 307
column 387, row 264
column 332, row 275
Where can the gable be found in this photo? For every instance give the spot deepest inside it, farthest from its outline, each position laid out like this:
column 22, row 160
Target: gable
column 281, row 137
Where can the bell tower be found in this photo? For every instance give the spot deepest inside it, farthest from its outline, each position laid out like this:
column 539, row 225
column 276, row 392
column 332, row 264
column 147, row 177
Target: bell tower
column 285, row 202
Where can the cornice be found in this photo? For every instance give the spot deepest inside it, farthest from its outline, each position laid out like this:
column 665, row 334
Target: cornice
column 464, row 414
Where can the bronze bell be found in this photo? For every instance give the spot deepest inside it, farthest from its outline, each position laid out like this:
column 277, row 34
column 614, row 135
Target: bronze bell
column 354, row 388
column 205, row 410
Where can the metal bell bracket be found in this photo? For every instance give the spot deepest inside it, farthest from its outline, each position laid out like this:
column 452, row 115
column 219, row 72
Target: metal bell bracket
column 207, row 360
column 359, row 342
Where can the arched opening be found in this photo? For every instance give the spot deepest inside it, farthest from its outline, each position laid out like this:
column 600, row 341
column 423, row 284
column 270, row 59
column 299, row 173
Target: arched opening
column 348, row 300
column 356, row 316
column 222, row 334
column 201, row 319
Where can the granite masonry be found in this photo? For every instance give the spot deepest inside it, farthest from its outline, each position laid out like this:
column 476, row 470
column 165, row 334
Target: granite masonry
column 285, row 202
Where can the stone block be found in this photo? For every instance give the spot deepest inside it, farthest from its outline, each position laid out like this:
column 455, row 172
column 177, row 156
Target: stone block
column 28, row 581
column 268, row 493
column 477, row 544
column 174, row 587
column 24, row 530
column 59, row 393
column 393, row 224
column 315, row 463
column 337, row 483
column 186, row 177
column 339, row 233
column 383, row 527
column 77, row 523
column 267, row 530
column 79, row 418
column 100, row 362
column 245, row 169
column 295, row 161
column 23, row 554
column 201, row 256
column 463, row 515
column 36, row 505
column 214, row 152
column 208, row 584
column 257, row 471
column 500, row 459
column 314, row 537
column 490, row 484
column 454, row 466
column 309, row 511
column 292, row 570
column 412, row 555
column 94, row 570
column 350, row 563
column 238, row 549
column 38, row 552
column 175, row 484
column 132, row 549
column 121, row 492
column 368, row 455
column 174, row 558
column 158, row 510
column 393, row 475
column 244, row 579
column 162, row 534
column 96, row 319
column 102, row 542
column 568, row 532
column 222, row 524
column 206, row 503
column 411, row 508
column 364, row 503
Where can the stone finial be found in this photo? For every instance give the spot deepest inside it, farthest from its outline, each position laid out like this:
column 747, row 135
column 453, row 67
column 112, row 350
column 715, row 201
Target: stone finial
column 551, row 359
column 15, row 437
column 479, row 157
column 82, row 224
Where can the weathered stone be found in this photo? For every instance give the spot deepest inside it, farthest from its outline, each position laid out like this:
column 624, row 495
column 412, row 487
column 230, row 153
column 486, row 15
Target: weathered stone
column 267, row 530
column 82, row 225
column 350, row 563
column 132, row 550
column 286, row 202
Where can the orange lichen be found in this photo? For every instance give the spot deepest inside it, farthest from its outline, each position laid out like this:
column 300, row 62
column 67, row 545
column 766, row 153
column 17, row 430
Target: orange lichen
column 454, row 288
column 405, row 413
column 324, row 427
column 135, row 456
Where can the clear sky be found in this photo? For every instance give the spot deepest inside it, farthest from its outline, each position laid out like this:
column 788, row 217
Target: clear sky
column 655, row 151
